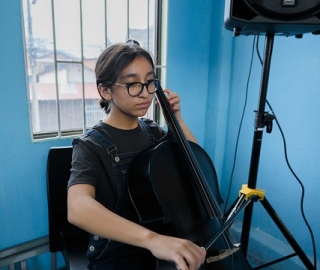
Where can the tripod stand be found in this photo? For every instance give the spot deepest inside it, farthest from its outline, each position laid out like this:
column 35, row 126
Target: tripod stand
column 262, row 120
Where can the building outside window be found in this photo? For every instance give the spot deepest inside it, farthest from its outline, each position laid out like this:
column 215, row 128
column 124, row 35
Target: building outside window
column 62, row 42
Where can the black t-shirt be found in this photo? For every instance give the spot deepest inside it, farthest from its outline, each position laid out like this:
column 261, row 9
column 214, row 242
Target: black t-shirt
column 91, row 163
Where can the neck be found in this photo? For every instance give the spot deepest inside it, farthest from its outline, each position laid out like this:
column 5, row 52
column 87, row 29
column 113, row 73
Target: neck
column 126, row 123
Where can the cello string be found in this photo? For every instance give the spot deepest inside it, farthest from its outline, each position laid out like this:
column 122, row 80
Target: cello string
column 214, row 206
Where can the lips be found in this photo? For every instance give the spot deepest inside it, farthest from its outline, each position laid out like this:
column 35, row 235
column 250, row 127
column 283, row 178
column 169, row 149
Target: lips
column 143, row 105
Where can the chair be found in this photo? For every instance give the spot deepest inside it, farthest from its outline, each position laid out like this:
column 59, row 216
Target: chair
column 64, row 237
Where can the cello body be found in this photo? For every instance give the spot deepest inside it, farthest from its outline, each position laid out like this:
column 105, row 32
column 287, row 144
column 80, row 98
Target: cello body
column 174, row 189
column 163, row 194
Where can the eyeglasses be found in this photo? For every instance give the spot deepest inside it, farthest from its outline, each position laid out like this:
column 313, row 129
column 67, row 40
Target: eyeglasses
column 135, row 88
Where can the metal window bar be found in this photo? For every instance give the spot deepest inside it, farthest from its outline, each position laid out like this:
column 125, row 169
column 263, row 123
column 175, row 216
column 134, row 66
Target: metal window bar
column 82, row 69
column 148, row 25
column 128, row 20
column 156, row 48
column 56, row 62
column 81, row 62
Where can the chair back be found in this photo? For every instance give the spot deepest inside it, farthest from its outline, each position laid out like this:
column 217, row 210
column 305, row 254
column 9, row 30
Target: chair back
column 63, row 236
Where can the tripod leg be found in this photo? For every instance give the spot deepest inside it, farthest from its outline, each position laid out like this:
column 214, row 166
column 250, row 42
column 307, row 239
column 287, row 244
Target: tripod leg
column 294, row 244
column 246, row 228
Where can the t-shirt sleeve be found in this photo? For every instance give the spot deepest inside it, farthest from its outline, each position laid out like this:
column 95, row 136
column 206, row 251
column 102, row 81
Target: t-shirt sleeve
column 85, row 165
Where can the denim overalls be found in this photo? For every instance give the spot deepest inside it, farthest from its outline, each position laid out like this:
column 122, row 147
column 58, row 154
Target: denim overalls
column 99, row 247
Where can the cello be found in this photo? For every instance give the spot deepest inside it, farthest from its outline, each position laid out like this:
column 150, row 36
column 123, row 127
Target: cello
column 174, row 189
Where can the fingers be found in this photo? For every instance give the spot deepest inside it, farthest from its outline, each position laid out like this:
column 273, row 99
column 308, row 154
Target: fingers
column 196, row 257
column 190, row 256
column 172, row 97
column 174, row 100
column 183, row 253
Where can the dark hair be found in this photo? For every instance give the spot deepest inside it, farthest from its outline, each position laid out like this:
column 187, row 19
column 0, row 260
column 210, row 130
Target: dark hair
column 112, row 61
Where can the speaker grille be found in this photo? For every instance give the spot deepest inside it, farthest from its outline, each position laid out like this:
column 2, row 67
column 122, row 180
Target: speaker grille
column 284, row 9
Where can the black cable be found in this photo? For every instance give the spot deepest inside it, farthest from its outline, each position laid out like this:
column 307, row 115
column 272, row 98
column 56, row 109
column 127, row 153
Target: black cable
column 292, row 171
column 300, row 182
column 240, row 126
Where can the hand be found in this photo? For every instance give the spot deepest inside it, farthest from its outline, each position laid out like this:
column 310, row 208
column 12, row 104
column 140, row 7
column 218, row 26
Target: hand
column 183, row 253
column 174, row 101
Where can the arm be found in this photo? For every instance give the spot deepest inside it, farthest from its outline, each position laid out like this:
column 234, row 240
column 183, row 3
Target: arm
column 83, row 208
column 174, row 100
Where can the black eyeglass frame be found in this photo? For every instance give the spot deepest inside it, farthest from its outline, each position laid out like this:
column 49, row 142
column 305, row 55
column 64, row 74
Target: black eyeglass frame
column 127, row 85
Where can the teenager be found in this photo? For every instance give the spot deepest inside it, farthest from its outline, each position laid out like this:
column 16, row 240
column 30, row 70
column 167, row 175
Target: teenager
column 98, row 198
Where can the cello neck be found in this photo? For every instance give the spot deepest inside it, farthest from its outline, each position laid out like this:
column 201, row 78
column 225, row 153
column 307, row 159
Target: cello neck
column 173, row 125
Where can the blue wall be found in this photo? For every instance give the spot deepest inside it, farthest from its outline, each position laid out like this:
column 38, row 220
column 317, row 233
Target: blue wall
column 209, row 69
column 23, row 205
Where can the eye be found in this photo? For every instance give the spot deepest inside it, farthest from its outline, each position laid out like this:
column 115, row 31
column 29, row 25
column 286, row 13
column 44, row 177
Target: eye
column 132, row 84
column 151, row 81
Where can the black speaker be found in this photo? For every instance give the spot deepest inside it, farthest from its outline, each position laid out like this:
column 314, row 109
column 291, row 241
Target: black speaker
column 281, row 17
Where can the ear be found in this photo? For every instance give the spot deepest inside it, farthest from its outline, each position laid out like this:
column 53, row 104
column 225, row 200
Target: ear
column 105, row 92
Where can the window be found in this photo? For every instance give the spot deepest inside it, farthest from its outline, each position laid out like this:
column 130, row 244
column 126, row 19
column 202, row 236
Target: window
column 63, row 40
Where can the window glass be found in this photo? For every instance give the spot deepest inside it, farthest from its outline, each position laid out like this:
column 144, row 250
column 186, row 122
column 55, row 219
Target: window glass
column 63, row 40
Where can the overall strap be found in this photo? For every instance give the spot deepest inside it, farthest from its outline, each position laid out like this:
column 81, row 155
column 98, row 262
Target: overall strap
column 148, row 130
column 110, row 147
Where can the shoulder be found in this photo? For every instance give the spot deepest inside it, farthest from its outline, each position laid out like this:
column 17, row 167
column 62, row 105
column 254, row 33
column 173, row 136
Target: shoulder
column 90, row 161
column 93, row 135
column 90, row 143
